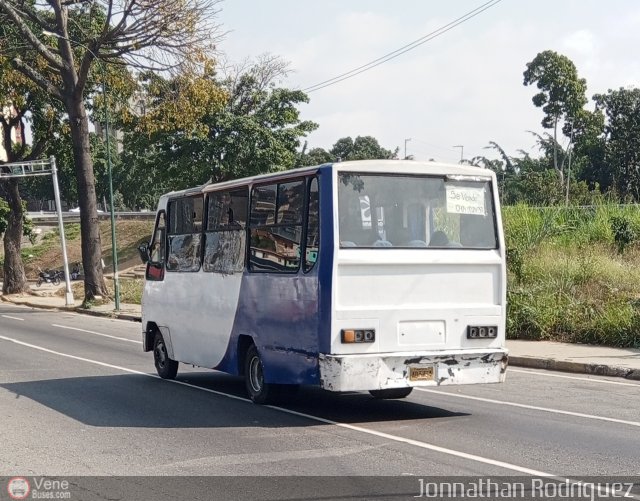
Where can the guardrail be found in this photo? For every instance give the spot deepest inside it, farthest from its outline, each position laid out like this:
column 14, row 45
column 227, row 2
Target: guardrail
column 74, row 217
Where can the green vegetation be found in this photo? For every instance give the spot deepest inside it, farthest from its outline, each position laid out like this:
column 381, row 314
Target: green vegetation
column 131, row 290
column 50, row 240
column 574, row 274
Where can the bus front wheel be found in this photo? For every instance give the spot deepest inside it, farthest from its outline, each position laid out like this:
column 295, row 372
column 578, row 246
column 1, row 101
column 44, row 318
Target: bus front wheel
column 391, row 393
column 259, row 391
column 166, row 368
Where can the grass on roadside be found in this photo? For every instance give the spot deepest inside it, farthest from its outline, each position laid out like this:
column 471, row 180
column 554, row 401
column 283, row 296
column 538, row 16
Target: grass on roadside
column 570, row 278
column 130, row 290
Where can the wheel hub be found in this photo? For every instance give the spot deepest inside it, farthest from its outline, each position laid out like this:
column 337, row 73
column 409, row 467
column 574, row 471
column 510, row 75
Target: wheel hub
column 160, row 354
column 255, row 374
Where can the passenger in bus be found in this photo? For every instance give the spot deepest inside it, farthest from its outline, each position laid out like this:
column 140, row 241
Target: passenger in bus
column 438, row 239
column 156, row 256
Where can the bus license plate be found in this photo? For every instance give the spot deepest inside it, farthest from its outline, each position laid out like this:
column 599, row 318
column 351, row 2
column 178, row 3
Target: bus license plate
column 421, row 373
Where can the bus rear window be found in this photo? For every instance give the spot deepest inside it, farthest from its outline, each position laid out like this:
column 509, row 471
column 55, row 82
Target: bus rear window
column 411, row 211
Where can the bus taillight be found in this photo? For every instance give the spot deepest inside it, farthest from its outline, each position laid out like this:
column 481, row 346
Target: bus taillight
column 358, row 335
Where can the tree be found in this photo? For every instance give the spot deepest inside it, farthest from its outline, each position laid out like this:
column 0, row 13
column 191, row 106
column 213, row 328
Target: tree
column 622, row 139
column 561, row 96
column 151, row 34
column 20, row 100
column 248, row 125
column 316, row 156
column 588, row 163
column 507, row 163
column 363, row 148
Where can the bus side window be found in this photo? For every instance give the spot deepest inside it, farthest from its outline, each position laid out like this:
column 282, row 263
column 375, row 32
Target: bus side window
column 225, row 237
column 184, row 234
column 276, row 227
column 313, row 227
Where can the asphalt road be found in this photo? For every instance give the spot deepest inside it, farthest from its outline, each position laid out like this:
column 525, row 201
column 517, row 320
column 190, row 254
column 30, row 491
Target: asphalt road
column 79, row 397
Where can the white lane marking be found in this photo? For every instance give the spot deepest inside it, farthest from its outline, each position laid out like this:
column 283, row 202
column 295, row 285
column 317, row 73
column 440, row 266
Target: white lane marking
column 394, row 438
column 532, row 407
column 591, row 380
column 85, row 315
column 12, row 318
column 96, row 333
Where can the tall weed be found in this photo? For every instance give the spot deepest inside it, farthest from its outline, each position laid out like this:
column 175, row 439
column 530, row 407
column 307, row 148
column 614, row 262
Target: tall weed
column 568, row 281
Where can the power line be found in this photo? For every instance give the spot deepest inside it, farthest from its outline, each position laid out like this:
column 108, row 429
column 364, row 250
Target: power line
column 406, row 48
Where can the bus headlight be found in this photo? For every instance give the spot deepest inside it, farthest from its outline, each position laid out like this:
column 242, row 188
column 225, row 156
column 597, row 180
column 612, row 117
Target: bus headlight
column 482, row 331
column 358, row 335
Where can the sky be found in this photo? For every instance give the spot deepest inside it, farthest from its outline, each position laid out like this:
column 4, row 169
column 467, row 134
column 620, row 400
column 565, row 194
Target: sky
column 463, row 88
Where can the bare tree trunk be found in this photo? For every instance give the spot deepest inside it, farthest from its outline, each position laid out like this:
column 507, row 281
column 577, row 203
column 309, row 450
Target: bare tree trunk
column 94, row 284
column 14, row 281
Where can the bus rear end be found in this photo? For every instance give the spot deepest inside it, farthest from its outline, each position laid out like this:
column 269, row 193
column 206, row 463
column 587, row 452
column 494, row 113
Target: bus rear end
column 419, row 279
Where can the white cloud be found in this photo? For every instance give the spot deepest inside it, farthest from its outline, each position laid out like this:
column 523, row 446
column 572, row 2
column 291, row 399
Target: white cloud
column 582, row 42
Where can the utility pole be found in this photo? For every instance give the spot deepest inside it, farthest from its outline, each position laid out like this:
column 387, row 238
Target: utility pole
column 405, row 147
column 461, row 151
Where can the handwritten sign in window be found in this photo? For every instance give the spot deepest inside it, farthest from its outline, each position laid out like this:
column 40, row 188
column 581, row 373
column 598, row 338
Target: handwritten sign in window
column 465, row 200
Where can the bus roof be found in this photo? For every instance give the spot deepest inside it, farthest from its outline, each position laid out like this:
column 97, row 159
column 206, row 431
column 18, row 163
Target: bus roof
column 373, row 166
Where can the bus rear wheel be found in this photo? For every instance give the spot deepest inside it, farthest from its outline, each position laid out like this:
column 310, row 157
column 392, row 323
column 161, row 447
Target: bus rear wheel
column 166, row 368
column 259, row 391
column 391, row 393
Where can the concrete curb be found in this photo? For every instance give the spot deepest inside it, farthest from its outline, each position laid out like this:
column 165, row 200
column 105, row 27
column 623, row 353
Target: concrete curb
column 77, row 309
column 108, row 314
column 576, row 367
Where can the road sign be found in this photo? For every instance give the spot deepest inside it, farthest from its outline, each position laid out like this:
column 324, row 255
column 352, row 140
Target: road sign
column 44, row 168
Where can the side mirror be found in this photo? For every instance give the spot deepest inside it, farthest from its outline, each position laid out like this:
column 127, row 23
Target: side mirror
column 143, row 249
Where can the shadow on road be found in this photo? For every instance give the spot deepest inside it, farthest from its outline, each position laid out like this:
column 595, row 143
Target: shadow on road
column 130, row 400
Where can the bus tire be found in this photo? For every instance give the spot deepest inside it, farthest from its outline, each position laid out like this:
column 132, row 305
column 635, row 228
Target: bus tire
column 259, row 392
column 166, row 368
column 391, row 393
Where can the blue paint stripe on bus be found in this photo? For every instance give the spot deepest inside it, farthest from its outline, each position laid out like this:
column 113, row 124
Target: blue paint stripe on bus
column 325, row 272
column 288, row 317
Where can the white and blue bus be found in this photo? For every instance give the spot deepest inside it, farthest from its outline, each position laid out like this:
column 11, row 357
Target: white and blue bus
column 374, row 276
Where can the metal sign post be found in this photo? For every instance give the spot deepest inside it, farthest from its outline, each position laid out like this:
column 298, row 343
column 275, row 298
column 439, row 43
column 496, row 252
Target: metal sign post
column 44, row 168
column 56, row 193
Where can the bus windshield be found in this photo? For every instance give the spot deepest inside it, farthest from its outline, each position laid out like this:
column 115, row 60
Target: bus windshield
column 409, row 211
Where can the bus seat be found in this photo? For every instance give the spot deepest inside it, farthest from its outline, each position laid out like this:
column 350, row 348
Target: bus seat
column 382, row 243
column 417, row 243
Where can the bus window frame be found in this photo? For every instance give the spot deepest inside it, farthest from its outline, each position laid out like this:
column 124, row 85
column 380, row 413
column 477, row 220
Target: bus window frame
column 157, row 265
column 219, row 229
column 445, row 178
column 277, row 182
column 305, row 223
column 168, row 234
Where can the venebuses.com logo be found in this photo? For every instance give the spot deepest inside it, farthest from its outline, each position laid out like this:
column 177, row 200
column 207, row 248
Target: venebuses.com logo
column 18, row 488
column 38, row 488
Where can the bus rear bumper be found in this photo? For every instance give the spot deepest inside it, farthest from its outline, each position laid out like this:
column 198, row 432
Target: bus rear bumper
column 398, row 370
